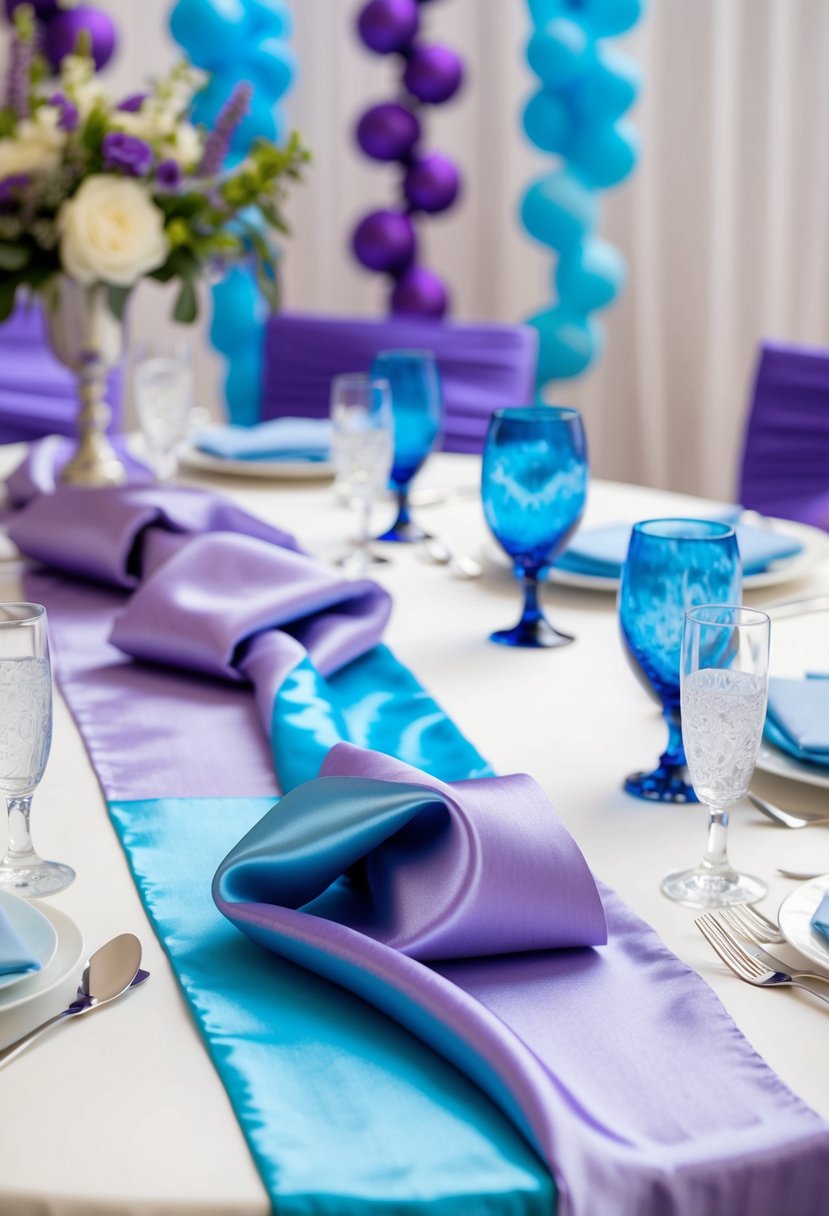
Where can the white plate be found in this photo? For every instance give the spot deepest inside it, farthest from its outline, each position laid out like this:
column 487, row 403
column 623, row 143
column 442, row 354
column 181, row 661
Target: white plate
column 34, row 930
column 796, row 912
column 815, row 549
column 781, row 764
column 271, row 470
column 46, row 992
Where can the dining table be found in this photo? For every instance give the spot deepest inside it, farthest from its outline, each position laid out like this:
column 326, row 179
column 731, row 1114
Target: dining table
column 123, row 1113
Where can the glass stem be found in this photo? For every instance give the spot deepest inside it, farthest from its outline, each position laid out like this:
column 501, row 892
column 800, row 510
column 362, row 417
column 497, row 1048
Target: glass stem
column 364, row 528
column 674, row 753
column 20, row 840
column 532, row 611
column 716, row 857
column 403, row 517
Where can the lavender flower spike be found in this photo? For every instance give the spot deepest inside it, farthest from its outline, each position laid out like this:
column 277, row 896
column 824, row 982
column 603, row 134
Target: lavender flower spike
column 217, row 144
column 17, row 78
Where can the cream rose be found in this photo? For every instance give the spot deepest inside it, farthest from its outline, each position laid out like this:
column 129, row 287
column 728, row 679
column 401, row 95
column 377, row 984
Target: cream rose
column 111, row 231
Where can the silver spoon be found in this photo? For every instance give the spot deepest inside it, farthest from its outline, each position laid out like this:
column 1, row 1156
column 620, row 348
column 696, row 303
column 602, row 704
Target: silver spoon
column 436, row 551
column 785, row 818
column 801, row 875
column 111, row 970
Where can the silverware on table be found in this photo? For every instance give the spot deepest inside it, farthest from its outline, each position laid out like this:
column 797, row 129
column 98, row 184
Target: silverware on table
column 754, row 943
column 746, row 967
column 433, row 550
column 786, row 819
column 801, row 875
column 111, row 971
column 747, row 921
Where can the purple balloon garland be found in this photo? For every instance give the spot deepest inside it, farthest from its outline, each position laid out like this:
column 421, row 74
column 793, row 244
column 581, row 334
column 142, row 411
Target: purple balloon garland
column 385, row 240
column 58, row 30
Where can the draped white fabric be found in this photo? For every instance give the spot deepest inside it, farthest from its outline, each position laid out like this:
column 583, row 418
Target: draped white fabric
column 724, row 224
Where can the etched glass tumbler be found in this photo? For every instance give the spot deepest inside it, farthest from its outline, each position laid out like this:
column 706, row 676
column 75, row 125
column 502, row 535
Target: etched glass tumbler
column 25, row 740
column 672, row 564
column 724, row 680
column 362, row 438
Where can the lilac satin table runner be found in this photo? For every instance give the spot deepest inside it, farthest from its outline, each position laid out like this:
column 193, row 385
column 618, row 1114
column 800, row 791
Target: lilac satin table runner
column 618, row 1063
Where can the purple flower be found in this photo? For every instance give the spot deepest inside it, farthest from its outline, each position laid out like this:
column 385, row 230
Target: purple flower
column 17, row 76
column 133, row 103
column 68, row 120
column 168, row 175
column 217, row 144
column 127, row 152
column 11, row 186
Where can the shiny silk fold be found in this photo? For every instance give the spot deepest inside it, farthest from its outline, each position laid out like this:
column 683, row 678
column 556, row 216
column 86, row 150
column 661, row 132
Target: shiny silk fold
column 618, row 1063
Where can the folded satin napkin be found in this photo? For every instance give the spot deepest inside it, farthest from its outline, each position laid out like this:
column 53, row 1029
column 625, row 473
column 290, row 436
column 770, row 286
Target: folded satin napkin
column 601, row 552
column 820, row 920
column 279, row 439
column 797, row 720
column 14, row 955
column 39, row 470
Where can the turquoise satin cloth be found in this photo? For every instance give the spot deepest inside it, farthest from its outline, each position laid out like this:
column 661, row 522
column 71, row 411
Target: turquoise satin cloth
column 345, row 1112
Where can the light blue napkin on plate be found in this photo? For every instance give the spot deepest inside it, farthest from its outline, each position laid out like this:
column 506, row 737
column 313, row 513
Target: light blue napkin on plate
column 798, row 717
column 14, row 957
column 820, row 920
column 278, row 439
column 600, row 552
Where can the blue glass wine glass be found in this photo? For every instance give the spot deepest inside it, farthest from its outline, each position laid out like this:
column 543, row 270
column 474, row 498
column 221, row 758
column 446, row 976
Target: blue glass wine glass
column 534, row 487
column 672, row 565
column 417, row 407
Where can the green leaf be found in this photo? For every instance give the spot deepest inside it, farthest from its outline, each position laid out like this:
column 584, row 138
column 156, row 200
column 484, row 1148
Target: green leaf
column 13, row 257
column 117, row 299
column 187, row 304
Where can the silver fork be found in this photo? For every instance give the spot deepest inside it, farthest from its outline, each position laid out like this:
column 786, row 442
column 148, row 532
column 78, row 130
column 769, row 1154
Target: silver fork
column 745, row 965
column 754, row 945
column 805, row 819
column 752, row 924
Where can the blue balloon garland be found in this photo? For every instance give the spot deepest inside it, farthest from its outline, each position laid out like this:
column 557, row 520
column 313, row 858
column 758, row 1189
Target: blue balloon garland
column 576, row 114
column 239, row 40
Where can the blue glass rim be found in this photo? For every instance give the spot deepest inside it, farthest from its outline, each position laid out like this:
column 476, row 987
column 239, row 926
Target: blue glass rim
column 738, row 615
column 668, row 528
column 537, row 413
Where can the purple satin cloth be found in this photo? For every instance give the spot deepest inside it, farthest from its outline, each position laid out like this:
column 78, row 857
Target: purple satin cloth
column 620, row 1064
column 785, row 465
column 39, row 471
column 482, row 367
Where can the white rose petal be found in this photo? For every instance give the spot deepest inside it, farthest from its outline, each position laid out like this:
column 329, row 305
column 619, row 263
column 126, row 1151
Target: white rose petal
column 185, row 145
column 111, row 232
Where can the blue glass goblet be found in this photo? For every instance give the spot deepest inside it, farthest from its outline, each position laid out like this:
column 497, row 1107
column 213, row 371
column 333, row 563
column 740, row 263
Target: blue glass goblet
column 672, row 565
column 417, row 408
column 534, row 487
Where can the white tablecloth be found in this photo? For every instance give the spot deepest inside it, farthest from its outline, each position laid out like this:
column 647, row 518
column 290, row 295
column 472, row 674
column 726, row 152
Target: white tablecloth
column 123, row 1113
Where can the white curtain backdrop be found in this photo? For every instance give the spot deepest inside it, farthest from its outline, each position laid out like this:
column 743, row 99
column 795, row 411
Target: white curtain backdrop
column 723, row 225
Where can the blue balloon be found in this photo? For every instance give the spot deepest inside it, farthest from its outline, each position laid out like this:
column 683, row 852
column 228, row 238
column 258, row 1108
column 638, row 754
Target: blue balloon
column 604, row 155
column 568, row 342
column 608, row 17
column 260, row 119
column 238, row 311
column 270, row 17
column 559, row 52
column 243, row 386
column 272, row 64
column 212, row 32
column 608, row 88
column 558, row 209
column 590, row 275
column 547, row 121
column 543, row 11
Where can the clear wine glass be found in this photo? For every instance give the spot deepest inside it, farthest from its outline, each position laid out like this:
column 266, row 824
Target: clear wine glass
column 163, row 397
column 534, row 487
column 724, row 687
column 362, row 444
column 25, row 739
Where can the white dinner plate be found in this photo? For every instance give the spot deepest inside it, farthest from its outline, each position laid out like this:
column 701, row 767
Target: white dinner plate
column 34, row 930
column 781, row 764
column 796, row 912
column 44, row 993
column 815, row 544
column 271, row 470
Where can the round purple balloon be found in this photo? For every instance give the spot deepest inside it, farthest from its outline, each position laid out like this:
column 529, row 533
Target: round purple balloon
column 388, row 132
column 433, row 74
column 384, row 240
column 432, row 183
column 388, row 25
column 44, row 9
column 421, row 292
column 60, row 35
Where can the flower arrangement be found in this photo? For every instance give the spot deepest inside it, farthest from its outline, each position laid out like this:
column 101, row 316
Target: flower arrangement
column 108, row 194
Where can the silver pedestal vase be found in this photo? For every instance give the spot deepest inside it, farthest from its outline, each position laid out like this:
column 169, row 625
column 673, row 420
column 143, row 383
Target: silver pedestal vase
column 86, row 337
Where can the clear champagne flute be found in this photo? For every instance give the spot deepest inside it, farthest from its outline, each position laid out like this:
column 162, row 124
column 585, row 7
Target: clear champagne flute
column 724, row 687
column 25, row 740
column 362, row 447
column 163, row 396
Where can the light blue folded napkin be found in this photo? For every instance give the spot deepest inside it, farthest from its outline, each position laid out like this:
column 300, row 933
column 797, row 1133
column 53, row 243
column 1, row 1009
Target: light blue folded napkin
column 278, row 439
column 14, row 957
column 600, row 552
column 798, row 717
column 820, row 920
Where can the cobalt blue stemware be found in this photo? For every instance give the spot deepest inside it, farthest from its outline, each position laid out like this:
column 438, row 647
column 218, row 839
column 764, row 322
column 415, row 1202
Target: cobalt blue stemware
column 534, row 487
column 417, row 408
column 672, row 565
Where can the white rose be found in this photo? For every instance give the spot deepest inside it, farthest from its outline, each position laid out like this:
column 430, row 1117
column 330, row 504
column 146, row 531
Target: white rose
column 37, row 145
column 184, row 145
column 111, row 232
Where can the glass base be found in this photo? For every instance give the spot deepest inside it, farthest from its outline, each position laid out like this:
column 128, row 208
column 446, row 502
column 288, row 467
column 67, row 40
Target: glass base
column 536, row 634
column 34, row 877
column 707, row 888
column 667, row 783
column 359, row 560
column 407, row 533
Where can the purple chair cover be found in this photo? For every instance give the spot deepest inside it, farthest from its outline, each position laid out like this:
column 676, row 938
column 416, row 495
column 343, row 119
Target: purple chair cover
column 785, row 464
column 482, row 367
